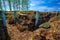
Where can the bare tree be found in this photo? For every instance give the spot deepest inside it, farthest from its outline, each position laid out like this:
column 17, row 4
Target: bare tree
column 25, row 4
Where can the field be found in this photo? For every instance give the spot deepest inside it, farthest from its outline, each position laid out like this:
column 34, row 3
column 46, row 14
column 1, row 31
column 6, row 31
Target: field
column 24, row 27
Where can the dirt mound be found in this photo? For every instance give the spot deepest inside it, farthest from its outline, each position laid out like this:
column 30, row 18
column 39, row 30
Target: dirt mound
column 52, row 33
column 56, row 18
column 55, row 24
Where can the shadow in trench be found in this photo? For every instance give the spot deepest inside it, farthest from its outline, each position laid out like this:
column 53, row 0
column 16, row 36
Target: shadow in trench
column 4, row 34
column 41, row 20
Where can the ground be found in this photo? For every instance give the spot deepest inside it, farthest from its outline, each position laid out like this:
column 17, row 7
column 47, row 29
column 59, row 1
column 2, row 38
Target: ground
column 52, row 33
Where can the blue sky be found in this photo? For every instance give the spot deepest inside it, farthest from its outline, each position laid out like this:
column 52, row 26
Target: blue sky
column 45, row 5
column 42, row 5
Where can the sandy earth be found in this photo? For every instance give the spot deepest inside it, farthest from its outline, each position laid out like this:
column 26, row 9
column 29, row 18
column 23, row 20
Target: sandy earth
column 15, row 34
column 50, row 33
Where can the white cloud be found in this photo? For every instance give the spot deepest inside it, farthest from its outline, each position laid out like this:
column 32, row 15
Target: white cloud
column 59, row 8
column 43, row 8
column 32, row 4
column 51, row 9
column 36, row 2
column 40, row 8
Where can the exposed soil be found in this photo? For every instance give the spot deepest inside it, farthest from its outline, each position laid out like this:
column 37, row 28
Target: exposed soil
column 52, row 33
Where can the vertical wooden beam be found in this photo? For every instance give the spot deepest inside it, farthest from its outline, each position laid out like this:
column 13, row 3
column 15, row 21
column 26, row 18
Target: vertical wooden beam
column 37, row 17
column 57, row 14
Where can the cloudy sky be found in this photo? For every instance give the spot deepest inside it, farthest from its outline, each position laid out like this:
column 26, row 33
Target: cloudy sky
column 42, row 5
column 45, row 5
